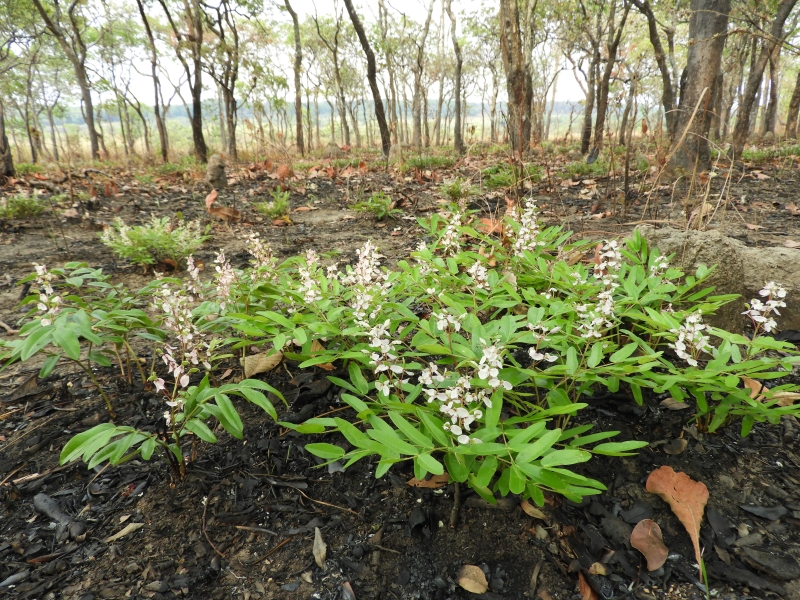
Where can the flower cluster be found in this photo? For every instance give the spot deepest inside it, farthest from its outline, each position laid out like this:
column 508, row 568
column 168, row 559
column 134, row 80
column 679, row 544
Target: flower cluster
column 451, row 240
column 596, row 317
column 369, row 284
column 444, row 320
column 193, row 286
column 479, row 275
column 384, row 360
column 458, row 402
column 540, row 332
column 308, row 284
column 225, row 277
column 263, row 262
column 691, row 339
column 659, row 266
column 49, row 302
column 760, row 311
column 490, row 364
column 527, row 238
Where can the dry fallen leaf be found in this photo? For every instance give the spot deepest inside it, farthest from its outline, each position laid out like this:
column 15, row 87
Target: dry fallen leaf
column 586, row 591
column 676, row 446
column 472, row 579
column 687, row 499
column 489, row 226
column 753, row 227
column 646, row 538
column 433, row 482
column 700, row 213
column 672, row 404
column 225, row 213
column 212, row 196
column 129, row 528
column 316, row 346
column 757, row 390
column 260, row 363
column 598, row 568
column 792, row 208
column 532, row 511
column 791, row 244
column 320, row 549
column 284, row 172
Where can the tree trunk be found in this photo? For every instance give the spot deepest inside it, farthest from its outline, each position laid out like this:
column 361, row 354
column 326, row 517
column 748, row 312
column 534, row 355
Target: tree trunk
column 53, row 140
column 707, row 28
column 552, row 105
column 519, row 102
column 417, row 68
column 162, row 129
column 380, row 115
column 716, row 107
column 437, row 124
column 605, row 81
column 667, row 90
column 6, row 160
column 493, row 109
column 623, row 128
column 768, row 49
column 352, row 108
column 298, row 93
column 771, row 113
column 791, row 116
column 588, row 109
column 458, row 140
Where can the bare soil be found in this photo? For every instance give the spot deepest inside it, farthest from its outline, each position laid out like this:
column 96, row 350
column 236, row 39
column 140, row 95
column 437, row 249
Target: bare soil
column 242, row 523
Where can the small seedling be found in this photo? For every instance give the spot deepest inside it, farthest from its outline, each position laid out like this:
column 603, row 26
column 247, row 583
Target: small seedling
column 276, row 209
column 21, row 206
column 379, row 204
column 157, row 241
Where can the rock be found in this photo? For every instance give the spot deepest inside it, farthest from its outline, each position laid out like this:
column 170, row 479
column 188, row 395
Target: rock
column 768, row 136
column 740, row 270
column 215, row 173
column 395, row 154
column 333, row 151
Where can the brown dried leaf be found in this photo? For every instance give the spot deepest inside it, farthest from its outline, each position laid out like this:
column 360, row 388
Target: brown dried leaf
column 316, row 347
column 753, row 227
column 489, row 226
column 472, row 579
column 433, row 482
column 362, row 167
column 785, row 398
column 646, row 538
column 320, row 549
column 586, row 591
column 225, row 213
column 687, row 499
column 676, row 446
column 791, row 244
column 699, row 214
column 792, row 208
column 532, row 511
column 212, row 196
column 260, row 363
column 284, row 172
column 598, row 568
column 672, row 404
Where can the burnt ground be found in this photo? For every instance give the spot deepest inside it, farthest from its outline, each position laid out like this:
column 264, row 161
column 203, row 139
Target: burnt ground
column 242, row 523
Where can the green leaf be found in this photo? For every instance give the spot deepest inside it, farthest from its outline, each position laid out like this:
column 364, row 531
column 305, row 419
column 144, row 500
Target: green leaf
column 276, row 318
column 565, row 457
column 456, row 467
column 67, row 340
column 79, row 443
column 259, row 400
column 486, row 471
column 516, row 480
column 518, row 442
column 353, row 435
column 595, row 356
column 392, row 441
column 357, row 378
column 148, row 447
column 434, row 428
column 228, row 417
column 618, row 448
column 123, row 445
column 412, row 433
column 623, row 352
column 201, row 430
column 539, row 447
column 429, row 463
column 572, row 360
column 49, row 364
column 326, row 451
column 35, row 342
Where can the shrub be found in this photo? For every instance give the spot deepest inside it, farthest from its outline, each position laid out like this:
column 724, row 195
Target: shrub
column 457, row 189
column 379, row 204
column 472, row 356
column 21, row 207
column 276, row 209
column 429, row 161
column 157, row 241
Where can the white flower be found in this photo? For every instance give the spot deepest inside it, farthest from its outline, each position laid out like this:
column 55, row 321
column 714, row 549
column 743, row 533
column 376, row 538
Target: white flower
column 159, row 384
column 383, row 387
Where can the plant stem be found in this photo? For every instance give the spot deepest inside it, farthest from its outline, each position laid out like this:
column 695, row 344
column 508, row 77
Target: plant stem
column 96, row 383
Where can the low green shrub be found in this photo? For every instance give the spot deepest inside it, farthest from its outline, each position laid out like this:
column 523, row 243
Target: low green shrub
column 156, row 241
column 277, row 208
column 21, row 206
column 473, row 357
column 379, row 204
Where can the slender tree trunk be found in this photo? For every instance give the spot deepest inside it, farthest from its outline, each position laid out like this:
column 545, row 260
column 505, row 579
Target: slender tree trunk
column 53, row 140
column 418, row 68
column 6, row 160
column 458, row 140
column 437, row 125
column 771, row 114
column 588, row 109
column 605, row 80
column 298, row 63
column 623, row 128
column 768, row 49
column 716, row 107
column 552, row 105
column 309, row 130
column 791, row 115
column 380, row 115
column 707, row 27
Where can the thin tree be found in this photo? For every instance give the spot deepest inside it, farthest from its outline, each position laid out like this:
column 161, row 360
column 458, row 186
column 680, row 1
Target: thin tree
column 372, row 72
column 458, row 140
column 298, row 92
column 162, row 128
column 72, row 43
column 417, row 67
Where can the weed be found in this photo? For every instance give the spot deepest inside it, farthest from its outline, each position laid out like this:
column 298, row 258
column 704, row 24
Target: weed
column 379, row 204
column 429, row 161
column 156, row 241
column 276, row 209
column 24, row 169
column 582, row 169
column 21, row 207
column 504, row 175
column 457, row 189
column 144, row 179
